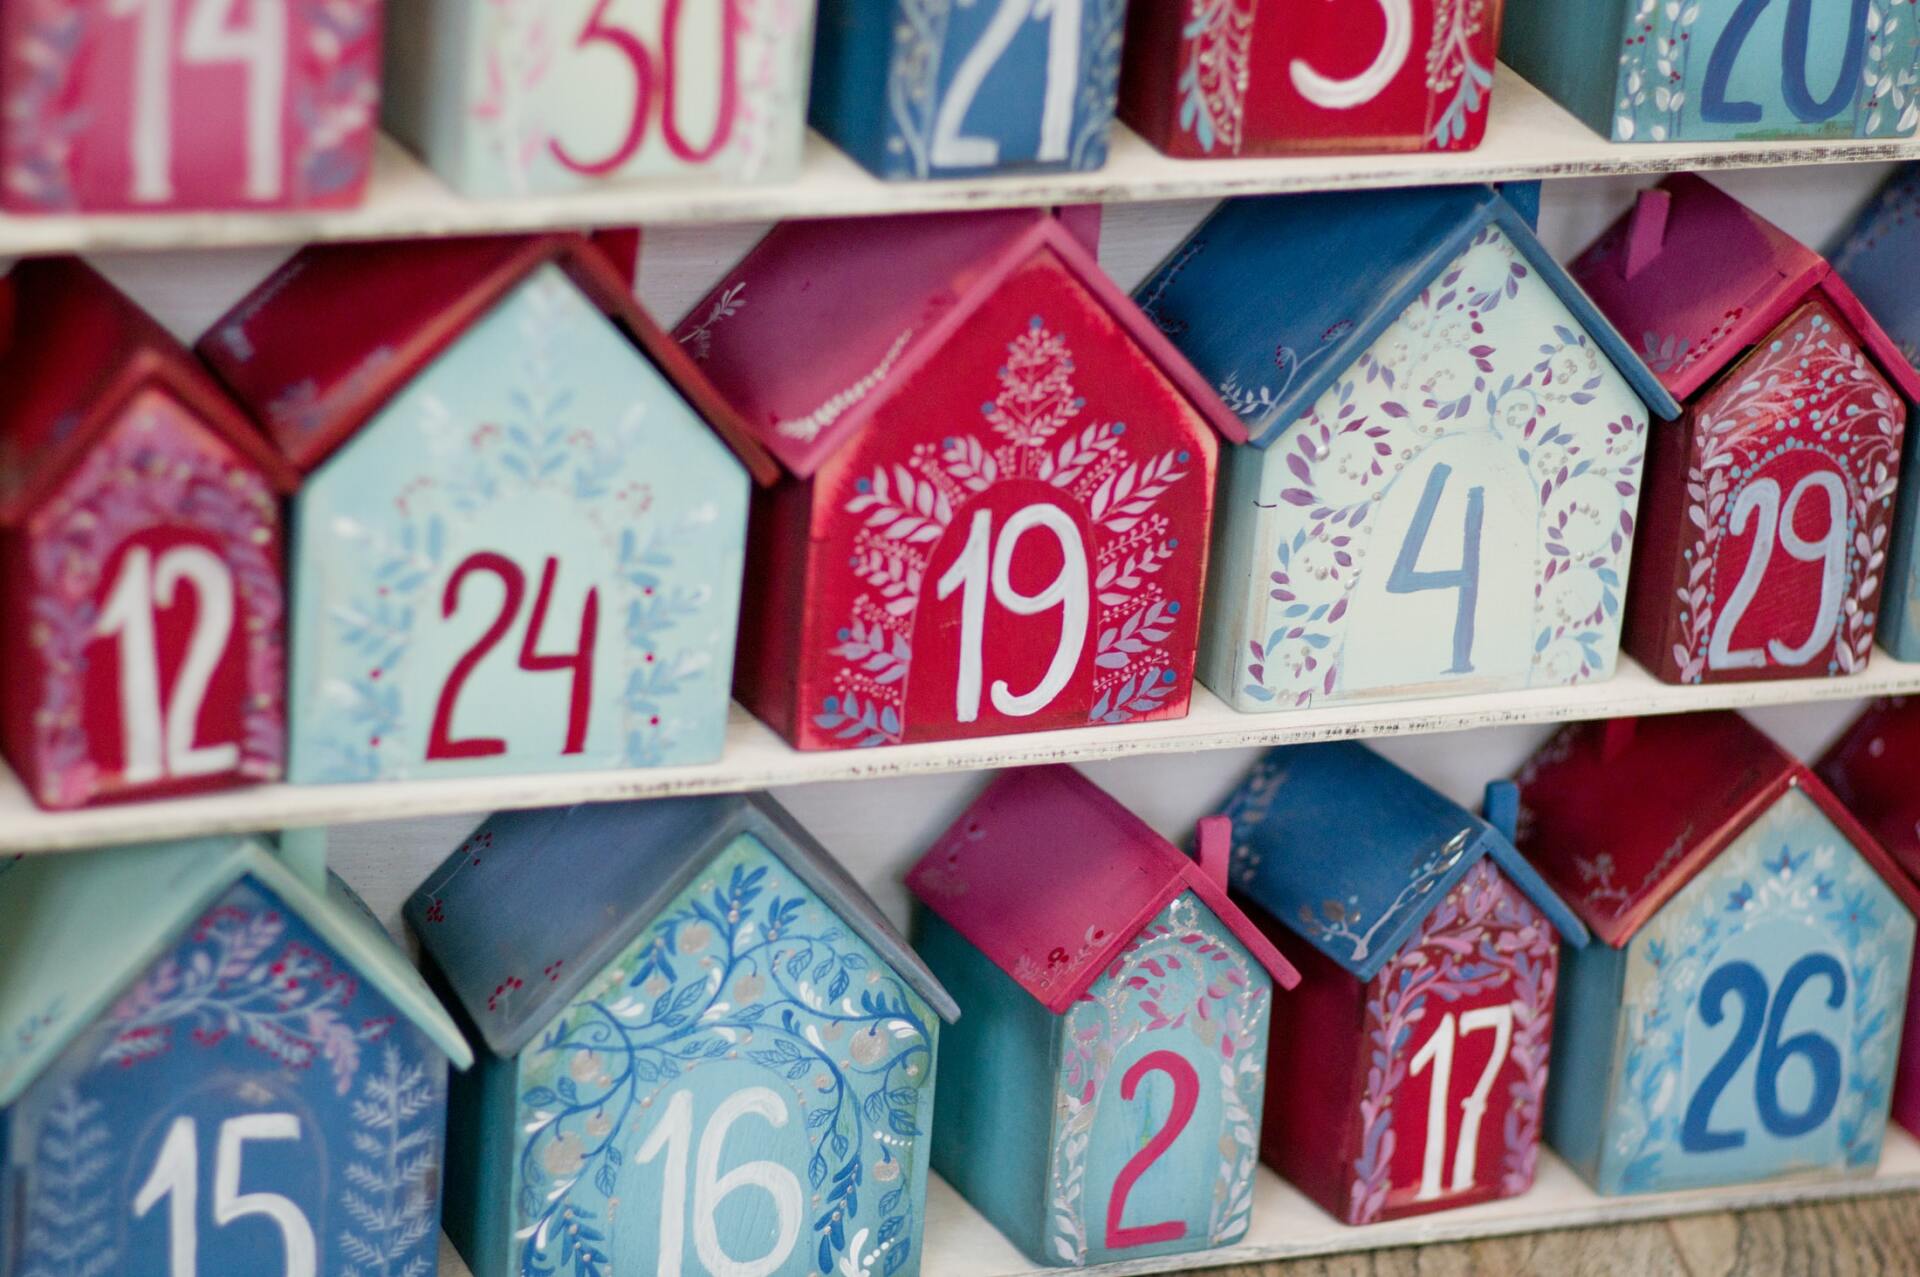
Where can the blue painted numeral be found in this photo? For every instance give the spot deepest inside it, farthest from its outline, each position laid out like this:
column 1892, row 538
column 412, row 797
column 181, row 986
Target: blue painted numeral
column 1714, row 106
column 1744, row 981
column 1795, row 52
column 1407, row 578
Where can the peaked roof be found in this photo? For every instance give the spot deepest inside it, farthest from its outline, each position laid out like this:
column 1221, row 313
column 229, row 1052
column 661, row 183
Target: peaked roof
column 323, row 344
column 1711, row 278
column 1696, row 782
column 74, row 351
column 814, row 328
column 81, row 927
column 1300, row 286
column 573, row 887
column 1870, row 770
column 1876, row 256
column 1351, row 853
column 1050, row 878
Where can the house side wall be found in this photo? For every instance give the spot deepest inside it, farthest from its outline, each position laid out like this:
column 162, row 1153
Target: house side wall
column 1587, row 1045
column 1570, row 49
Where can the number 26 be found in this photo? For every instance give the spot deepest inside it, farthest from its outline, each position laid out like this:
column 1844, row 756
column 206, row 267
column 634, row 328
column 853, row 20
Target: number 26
column 1743, row 982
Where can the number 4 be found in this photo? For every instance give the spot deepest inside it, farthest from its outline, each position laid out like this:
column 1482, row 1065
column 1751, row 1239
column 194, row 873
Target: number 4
column 1407, row 578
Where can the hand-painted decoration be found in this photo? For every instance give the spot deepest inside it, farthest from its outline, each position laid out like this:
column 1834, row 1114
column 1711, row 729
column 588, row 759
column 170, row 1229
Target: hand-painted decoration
column 519, row 96
column 710, row 1053
column 1000, row 489
column 1874, row 260
column 1120, row 1003
column 211, row 1062
column 1723, row 70
column 140, row 549
column 1430, row 950
column 1740, row 1019
column 519, row 544
column 948, row 88
column 1220, row 78
column 1871, row 771
column 1447, row 441
column 137, row 105
column 1770, row 510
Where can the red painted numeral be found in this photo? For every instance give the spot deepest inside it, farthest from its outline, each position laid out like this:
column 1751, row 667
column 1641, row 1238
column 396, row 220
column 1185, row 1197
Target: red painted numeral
column 1186, row 1097
column 630, row 47
column 440, row 743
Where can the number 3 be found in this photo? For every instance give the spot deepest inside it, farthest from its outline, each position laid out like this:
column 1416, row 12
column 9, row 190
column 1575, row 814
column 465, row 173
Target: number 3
column 1340, row 95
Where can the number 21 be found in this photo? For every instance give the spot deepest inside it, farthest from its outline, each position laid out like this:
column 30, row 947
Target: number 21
column 952, row 148
column 1344, row 94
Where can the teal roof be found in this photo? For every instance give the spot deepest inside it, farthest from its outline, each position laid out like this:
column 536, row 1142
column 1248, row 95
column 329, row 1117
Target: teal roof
column 77, row 929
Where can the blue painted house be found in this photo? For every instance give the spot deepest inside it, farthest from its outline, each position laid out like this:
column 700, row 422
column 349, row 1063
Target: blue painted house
column 703, row 1046
column 950, row 88
column 1440, row 492
column 210, row 1056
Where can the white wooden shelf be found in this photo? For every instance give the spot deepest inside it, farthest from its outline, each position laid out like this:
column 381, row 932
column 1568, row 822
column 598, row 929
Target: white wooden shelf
column 1529, row 136
column 755, row 758
column 961, row 1243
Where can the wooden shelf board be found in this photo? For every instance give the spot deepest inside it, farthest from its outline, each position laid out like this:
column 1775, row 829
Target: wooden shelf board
column 755, row 758
column 1529, row 136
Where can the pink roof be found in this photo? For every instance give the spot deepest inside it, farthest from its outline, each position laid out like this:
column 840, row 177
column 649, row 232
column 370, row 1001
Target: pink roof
column 1050, row 878
column 1693, row 278
column 810, row 333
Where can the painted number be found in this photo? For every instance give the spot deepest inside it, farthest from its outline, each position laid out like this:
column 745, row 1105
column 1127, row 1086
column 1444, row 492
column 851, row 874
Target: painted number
column 578, row 662
column 1407, row 578
column 1762, row 498
column 212, row 38
column 1344, row 94
column 980, row 569
column 1438, row 1052
column 953, row 148
column 1794, row 55
column 633, row 51
column 175, row 1179
column 1743, row 981
column 157, row 734
column 673, row 1134
column 1186, row 1097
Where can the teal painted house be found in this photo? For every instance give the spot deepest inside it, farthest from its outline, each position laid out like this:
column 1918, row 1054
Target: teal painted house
column 704, row 1049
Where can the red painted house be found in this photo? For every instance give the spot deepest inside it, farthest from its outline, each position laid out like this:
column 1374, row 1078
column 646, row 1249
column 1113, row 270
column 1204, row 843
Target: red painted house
column 998, row 489
column 141, row 588
column 1766, row 521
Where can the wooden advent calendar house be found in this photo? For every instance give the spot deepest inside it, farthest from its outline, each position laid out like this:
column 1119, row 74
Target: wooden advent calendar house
column 1721, row 70
column 519, row 541
column 519, row 96
column 1446, row 447
column 931, row 88
column 136, row 105
column 1876, row 260
column 1770, row 505
column 712, row 1002
column 1870, row 769
column 1243, row 77
column 213, row 1057
column 1739, row 1018
column 1118, row 1001
column 1000, row 482
column 141, row 592
column 1414, row 1056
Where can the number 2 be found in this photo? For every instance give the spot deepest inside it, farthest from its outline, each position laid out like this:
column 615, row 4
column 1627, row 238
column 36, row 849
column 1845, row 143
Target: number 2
column 1794, row 53
column 1186, row 1098
column 1742, row 980
column 674, row 1133
column 1762, row 498
column 1407, row 578
column 175, row 1179
column 951, row 148
column 1438, row 1052
column 1344, row 94
column 980, row 569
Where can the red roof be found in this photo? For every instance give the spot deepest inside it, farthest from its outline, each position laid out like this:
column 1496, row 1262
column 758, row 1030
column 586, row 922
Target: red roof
column 1050, row 878
column 322, row 345
column 1871, row 770
column 76, row 352
column 1619, row 816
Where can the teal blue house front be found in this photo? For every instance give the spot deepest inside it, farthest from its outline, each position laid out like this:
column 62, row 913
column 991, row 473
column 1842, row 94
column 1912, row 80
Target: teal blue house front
column 705, row 1050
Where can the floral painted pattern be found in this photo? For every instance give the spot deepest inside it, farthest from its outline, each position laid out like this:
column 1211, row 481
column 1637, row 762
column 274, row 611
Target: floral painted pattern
column 1217, row 40
column 745, row 970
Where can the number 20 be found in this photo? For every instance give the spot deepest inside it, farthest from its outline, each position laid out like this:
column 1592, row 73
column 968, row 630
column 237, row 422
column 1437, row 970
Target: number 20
column 1799, row 98
column 952, row 148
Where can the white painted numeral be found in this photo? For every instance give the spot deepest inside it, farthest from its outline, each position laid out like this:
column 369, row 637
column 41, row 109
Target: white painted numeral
column 954, row 149
column 1345, row 94
column 1438, row 1052
column 674, row 1132
column 175, row 1178
column 158, row 738
column 982, row 567
column 1761, row 498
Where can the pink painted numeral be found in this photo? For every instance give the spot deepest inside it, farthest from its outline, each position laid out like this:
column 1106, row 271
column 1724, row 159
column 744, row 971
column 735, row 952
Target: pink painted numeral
column 1186, row 1097
column 634, row 51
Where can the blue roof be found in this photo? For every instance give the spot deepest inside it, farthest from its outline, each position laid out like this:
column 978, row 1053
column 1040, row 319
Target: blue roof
column 1877, row 256
column 579, row 884
column 78, row 929
column 1299, row 286
column 1351, row 853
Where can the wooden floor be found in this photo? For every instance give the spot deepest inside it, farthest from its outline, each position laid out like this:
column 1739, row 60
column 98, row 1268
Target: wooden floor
column 1865, row 1237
